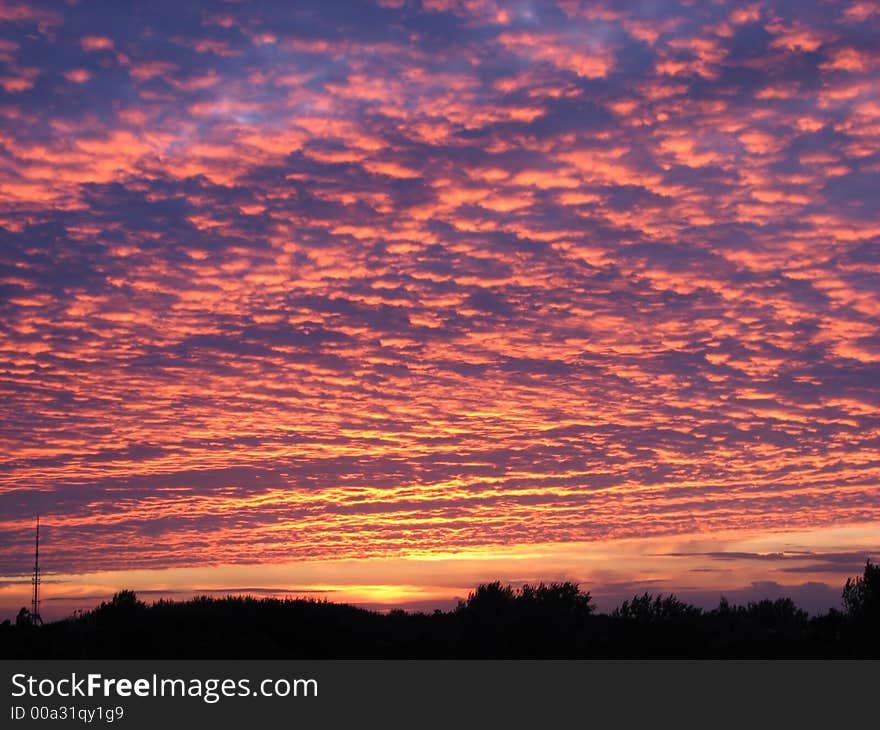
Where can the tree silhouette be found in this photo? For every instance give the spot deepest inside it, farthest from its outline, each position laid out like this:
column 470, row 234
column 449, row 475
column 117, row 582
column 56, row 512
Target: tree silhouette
column 490, row 599
column 559, row 599
column 652, row 609
column 533, row 621
column 861, row 596
column 544, row 620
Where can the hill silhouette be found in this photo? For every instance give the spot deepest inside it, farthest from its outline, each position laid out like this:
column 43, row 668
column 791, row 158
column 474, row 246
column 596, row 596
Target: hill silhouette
column 552, row 620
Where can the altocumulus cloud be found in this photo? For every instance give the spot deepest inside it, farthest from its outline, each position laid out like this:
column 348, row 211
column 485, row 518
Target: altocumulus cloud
column 327, row 280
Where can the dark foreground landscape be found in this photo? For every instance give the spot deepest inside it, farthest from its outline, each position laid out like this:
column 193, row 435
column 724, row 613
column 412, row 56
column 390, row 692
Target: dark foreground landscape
column 555, row 620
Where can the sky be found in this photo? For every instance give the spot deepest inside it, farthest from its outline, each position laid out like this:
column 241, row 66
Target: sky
column 377, row 301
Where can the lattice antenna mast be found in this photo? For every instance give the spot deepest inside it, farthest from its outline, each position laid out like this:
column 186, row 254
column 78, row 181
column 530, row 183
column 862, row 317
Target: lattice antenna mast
column 35, row 610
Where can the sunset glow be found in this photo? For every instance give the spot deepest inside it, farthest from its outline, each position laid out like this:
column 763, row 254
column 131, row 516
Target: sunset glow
column 380, row 301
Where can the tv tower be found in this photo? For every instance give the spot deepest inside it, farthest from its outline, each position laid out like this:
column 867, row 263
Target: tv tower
column 35, row 610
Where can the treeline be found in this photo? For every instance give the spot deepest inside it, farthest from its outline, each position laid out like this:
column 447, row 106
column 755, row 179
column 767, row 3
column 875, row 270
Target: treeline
column 554, row 620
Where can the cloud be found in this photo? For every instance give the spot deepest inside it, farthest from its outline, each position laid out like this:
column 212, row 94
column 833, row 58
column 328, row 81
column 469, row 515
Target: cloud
column 369, row 280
